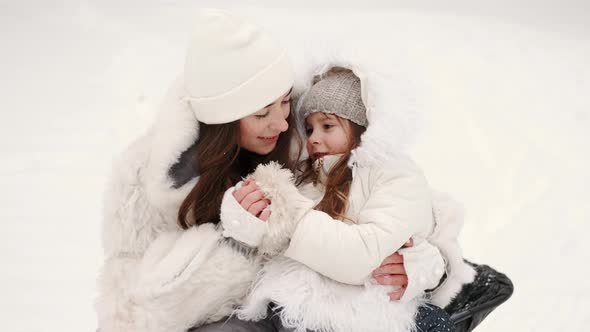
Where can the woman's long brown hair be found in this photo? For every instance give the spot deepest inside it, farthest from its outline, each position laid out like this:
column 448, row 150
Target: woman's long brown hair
column 339, row 179
column 221, row 164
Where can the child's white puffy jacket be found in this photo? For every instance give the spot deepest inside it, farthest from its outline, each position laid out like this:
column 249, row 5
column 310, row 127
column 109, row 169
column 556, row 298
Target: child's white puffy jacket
column 389, row 206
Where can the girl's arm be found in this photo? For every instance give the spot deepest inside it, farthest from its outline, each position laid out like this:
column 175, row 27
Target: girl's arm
column 398, row 206
column 449, row 217
column 417, row 270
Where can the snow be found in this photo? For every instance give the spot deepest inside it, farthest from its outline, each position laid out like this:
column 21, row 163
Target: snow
column 507, row 134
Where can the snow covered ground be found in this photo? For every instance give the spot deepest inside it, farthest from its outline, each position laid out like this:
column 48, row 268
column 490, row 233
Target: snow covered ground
column 507, row 134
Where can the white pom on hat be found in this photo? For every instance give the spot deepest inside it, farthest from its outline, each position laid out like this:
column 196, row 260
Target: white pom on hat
column 233, row 68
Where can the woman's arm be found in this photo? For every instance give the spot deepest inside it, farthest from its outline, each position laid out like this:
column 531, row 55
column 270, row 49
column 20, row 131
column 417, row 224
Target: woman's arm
column 425, row 267
column 392, row 272
column 425, row 271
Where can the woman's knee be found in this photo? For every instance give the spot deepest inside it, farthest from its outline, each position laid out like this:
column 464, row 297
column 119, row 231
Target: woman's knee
column 431, row 318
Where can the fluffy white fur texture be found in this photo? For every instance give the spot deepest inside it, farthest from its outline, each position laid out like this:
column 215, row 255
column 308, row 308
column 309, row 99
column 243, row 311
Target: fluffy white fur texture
column 309, row 300
column 130, row 221
column 186, row 278
column 173, row 297
column 448, row 215
column 175, row 130
column 287, row 207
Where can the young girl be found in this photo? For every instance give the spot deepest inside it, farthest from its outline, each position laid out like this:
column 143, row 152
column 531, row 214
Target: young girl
column 361, row 211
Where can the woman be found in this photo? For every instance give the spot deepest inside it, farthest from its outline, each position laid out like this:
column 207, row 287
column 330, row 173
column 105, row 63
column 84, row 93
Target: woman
column 167, row 265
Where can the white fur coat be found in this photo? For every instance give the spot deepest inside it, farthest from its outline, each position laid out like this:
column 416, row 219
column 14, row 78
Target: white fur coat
column 155, row 276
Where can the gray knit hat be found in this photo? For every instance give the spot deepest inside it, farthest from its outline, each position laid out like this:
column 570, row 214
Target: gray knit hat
column 338, row 93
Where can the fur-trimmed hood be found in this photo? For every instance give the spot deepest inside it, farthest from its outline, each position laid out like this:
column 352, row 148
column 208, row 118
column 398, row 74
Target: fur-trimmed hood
column 390, row 92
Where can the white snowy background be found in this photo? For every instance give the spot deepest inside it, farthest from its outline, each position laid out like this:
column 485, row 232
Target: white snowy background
column 507, row 135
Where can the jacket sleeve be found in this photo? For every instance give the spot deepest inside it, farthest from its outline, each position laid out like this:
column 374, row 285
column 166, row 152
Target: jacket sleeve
column 398, row 206
column 424, row 267
column 449, row 219
column 238, row 223
column 156, row 277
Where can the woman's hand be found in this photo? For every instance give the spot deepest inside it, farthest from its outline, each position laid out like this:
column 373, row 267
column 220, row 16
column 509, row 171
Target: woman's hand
column 252, row 199
column 392, row 273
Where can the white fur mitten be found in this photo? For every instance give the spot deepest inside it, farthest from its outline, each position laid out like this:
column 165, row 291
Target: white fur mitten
column 287, row 206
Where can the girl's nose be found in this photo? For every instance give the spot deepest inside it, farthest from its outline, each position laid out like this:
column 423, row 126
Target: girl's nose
column 313, row 139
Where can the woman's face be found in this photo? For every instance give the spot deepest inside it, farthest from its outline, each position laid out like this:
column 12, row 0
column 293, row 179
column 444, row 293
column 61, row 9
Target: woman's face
column 259, row 132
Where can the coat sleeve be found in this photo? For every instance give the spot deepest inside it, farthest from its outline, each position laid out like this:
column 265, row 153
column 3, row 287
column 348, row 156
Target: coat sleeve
column 238, row 223
column 153, row 279
column 397, row 207
column 449, row 219
column 424, row 267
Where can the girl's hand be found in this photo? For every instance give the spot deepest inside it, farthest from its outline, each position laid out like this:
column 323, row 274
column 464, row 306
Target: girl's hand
column 392, row 273
column 252, row 200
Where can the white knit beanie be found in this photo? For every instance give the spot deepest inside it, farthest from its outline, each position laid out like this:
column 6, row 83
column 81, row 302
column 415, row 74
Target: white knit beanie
column 233, row 68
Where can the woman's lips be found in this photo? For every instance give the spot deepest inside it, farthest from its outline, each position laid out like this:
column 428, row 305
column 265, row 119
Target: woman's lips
column 270, row 139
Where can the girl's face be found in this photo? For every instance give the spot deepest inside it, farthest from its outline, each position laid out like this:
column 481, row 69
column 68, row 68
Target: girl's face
column 259, row 132
column 326, row 134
